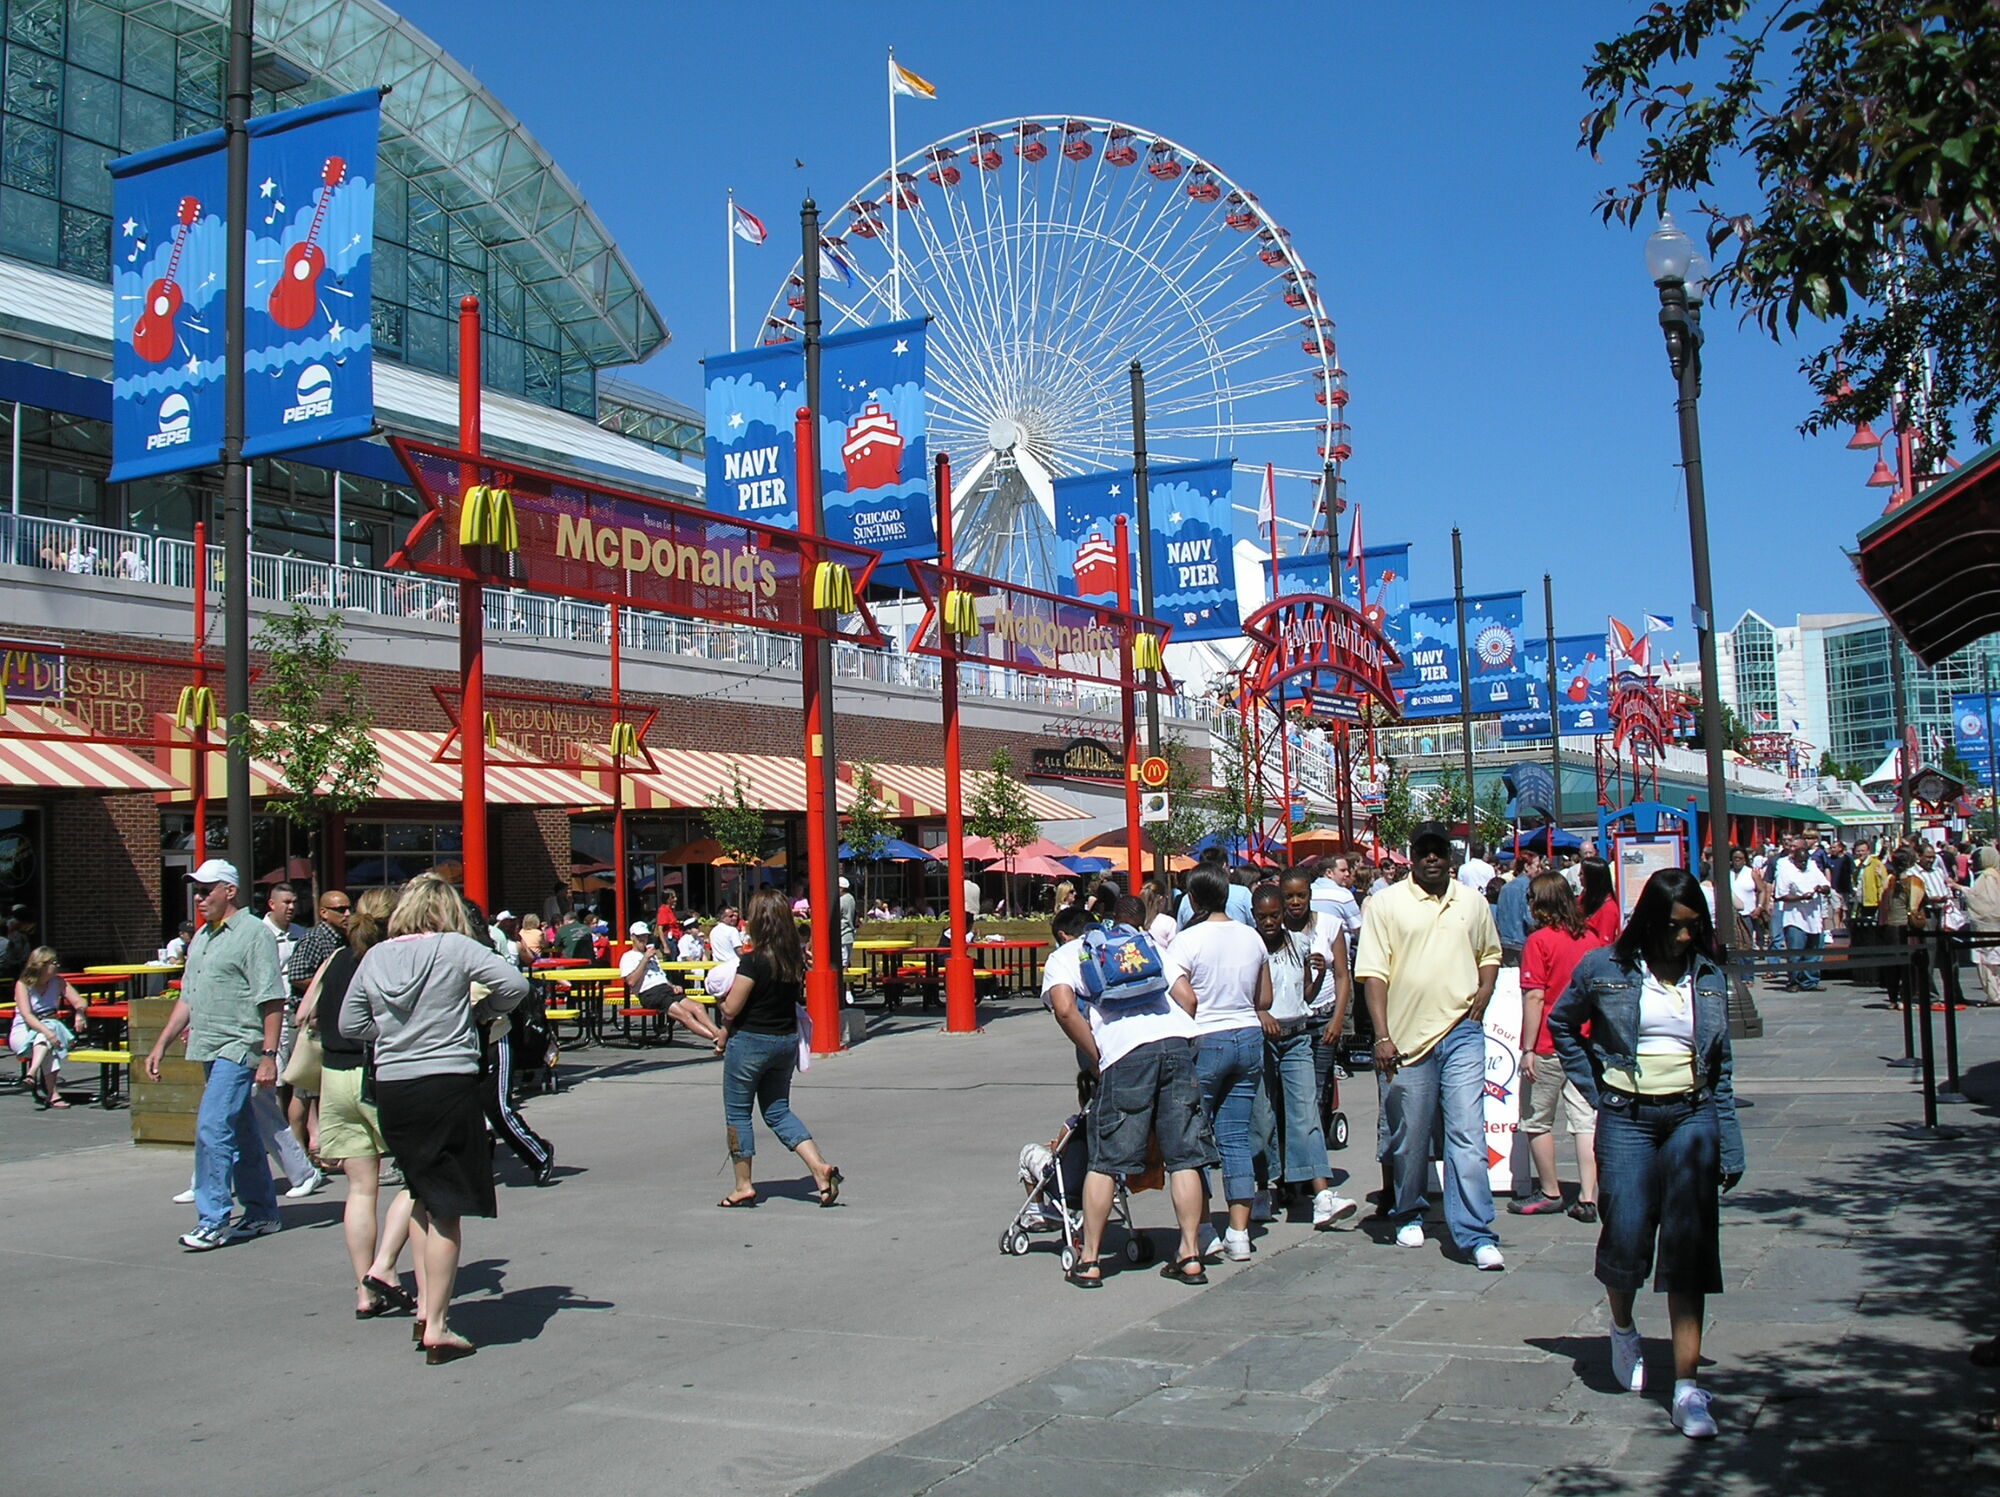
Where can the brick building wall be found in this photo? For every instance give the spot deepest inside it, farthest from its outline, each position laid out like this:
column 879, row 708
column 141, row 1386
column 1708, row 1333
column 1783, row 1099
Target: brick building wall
column 530, row 857
column 104, row 878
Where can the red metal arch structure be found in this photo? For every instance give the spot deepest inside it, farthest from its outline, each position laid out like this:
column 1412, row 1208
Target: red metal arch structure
column 1304, row 650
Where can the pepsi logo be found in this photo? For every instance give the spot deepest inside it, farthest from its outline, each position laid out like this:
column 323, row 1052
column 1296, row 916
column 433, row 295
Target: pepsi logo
column 176, row 424
column 315, row 395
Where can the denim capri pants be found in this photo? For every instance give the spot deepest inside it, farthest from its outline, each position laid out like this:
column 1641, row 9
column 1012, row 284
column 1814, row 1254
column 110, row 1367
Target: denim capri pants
column 758, row 1068
column 1659, row 1176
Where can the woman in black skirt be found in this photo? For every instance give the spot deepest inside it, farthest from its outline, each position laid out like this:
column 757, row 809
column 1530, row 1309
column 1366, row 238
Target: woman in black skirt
column 413, row 998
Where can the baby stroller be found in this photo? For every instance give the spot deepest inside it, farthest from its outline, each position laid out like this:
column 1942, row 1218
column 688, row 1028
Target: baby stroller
column 1053, row 1174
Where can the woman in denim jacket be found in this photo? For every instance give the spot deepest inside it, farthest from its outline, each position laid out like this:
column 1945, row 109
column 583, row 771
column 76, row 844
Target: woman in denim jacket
column 1656, row 1065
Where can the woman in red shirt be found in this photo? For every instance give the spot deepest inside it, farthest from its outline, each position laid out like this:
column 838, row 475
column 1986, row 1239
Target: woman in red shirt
column 1599, row 903
column 1553, row 949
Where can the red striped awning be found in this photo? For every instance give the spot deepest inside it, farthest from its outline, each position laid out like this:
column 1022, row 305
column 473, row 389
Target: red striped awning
column 690, row 780
column 919, row 791
column 48, row 759
column 177, row 753
column 412, row 771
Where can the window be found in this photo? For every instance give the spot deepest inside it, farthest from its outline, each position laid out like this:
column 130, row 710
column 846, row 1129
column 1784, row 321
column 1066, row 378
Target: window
column 382, row 853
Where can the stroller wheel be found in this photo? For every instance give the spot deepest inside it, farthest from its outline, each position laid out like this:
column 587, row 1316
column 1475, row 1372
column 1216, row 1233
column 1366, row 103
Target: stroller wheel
column 1338, row 1133
column 1017, row 1243
column 1138, row 1250
column 1068, row 1259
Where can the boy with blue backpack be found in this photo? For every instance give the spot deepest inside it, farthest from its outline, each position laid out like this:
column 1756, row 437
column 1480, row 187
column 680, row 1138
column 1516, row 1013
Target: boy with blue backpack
column 1109, row 991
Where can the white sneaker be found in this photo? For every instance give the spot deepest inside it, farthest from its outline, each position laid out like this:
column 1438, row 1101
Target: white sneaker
column 185, row 1198
column 1487, row 1258
column 1236, row 1246
column 1691, row 1415
column 1628, row 1359
column 1332, row 1212
column 313, row 1184
column 1211, row 1244
column 1410, row 1234
column 1260, row 1207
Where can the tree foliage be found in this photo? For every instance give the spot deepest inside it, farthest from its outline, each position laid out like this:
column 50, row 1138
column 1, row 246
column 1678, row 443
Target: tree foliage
column 319, row 719
column 999, row 813
column 1872, row 128
column 866, row 828
column 736, row 825
column 1398, row 816
column 1189, row 816
column 1225, row 810
column 1451, row 797
column 1492, row 824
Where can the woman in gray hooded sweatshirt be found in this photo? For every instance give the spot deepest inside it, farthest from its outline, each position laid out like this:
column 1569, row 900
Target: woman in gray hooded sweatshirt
column 417, row 997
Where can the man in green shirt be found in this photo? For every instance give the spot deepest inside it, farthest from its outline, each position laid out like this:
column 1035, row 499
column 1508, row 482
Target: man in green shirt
column 232, row 993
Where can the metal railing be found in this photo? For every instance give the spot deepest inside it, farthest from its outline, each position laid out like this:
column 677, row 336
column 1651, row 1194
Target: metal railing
column 95, row 550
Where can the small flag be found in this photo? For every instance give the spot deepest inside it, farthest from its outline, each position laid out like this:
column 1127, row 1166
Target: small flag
column 1354, row 541
column 749, row 226
column 1267, row 503
column 1656, row 624
column 833, row 265
column 903, row 81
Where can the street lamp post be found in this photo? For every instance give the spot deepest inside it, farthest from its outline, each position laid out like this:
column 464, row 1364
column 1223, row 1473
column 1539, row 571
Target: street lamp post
column 1670, row 256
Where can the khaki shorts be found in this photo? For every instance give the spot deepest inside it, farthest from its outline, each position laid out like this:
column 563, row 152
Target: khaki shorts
column 1550, row 1086
column 348, row 1126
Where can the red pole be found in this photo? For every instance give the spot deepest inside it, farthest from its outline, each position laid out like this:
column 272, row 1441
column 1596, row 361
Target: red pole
column 471, row 630
column 961, row 999
column 620, row 899
column 1246, row 712
column 822, row 980
column 1128, row 710
column 1285, row 770
column 199, row 777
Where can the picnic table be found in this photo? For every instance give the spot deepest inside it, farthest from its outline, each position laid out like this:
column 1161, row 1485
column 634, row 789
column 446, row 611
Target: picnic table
column 1016, row 961
column 586, row 987
column 136, row 977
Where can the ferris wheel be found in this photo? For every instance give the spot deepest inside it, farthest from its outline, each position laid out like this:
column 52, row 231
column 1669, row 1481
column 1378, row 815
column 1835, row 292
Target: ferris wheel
column 1050, row 252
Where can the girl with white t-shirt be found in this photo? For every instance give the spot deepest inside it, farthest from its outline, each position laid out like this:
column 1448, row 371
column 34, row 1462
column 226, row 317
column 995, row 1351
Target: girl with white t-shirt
column 1222, row 965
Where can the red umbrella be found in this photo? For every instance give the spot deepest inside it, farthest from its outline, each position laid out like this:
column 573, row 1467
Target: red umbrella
column 982, row 850
column 1037, row 867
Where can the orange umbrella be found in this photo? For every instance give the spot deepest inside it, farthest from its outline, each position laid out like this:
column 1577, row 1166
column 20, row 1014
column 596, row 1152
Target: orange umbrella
column 701, row 850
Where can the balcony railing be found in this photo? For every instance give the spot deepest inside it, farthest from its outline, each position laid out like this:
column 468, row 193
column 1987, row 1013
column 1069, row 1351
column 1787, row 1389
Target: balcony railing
column 93, row 550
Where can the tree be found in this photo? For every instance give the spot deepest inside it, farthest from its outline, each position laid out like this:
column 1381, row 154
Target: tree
column 737, row 827
column 1189, row 813
column 1398, row 816
column 1225, row 810
column 317, row 736
column 1491, row 823
column 1870, row 126
column 1734, row 734
column 1451, row 798
column 999, row 813
column 866, row 825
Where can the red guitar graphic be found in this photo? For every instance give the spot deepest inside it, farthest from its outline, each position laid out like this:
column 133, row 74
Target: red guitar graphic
column 296, row 296
column 153, row 335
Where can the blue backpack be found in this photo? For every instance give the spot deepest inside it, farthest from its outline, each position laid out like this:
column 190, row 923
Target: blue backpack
column 1121, row 967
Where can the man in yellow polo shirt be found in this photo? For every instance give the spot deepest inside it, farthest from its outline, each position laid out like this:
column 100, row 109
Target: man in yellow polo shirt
column 1428, row 956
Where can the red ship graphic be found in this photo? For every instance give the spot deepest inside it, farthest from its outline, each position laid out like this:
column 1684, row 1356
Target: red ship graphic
column 873, row 451
column 1096, row 567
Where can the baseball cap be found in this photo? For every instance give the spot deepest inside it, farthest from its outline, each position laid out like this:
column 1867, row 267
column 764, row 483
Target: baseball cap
column 503, row 915
column 1428, row 832
column 845, row 884
column 640, row 928
column 216, row 871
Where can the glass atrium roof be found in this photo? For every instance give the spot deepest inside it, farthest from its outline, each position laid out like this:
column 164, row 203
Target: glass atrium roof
column 444, row 131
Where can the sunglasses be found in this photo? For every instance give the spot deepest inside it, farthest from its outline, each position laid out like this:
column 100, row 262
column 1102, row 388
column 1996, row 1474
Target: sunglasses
column 334, row 909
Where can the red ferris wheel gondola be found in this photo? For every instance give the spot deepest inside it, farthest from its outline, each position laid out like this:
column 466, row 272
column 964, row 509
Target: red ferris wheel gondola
column 1118, row 147
column 795, row 294
column 1277, row 246
column 1337, row 448
column 1076, row 140
column 1162, row 162
column 905, row 196
column 1032, row 146
column 982, row 146
column 1332, row 386
column 1298, row 288
column 1241, row 216
column 777, row 330
column 1202, row 186
column 1319, row 336
column 867, row 221
column 944, row 170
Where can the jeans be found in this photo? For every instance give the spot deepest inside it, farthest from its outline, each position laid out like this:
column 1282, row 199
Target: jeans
column 1450, row 1083
column 278, row 1137
column 1659, row 1166
column 1802, row 971
column 228, row 1148
column 759, row 1067
column 1289, row 1128
column 1229, row 1063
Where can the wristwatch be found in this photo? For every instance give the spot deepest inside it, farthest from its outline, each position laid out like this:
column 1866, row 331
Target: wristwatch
column 272, row 1053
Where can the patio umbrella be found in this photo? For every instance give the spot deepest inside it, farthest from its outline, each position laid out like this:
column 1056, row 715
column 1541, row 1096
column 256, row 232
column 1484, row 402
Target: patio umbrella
column 894, row 850
column 295, row 868
column 1086, row 864
column 1538, row 840
column 701, row 850
column 1034, row 867
column 982, row 850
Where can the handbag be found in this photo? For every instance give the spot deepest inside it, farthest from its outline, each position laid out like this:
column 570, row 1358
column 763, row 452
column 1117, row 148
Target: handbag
column 302, row 1071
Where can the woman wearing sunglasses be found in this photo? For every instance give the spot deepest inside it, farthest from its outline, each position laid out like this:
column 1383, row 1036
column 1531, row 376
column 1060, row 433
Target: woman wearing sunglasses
column 1643, row 1031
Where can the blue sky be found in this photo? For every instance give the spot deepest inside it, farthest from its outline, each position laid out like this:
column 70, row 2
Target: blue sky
column 1507, row 371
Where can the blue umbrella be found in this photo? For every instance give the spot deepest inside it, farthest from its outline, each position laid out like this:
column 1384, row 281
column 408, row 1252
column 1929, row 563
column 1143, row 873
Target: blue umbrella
column 1538, row 840
column 1086, row 864
column 895, row 849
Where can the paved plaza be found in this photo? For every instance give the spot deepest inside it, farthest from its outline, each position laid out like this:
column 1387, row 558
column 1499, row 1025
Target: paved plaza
column 635, row 1337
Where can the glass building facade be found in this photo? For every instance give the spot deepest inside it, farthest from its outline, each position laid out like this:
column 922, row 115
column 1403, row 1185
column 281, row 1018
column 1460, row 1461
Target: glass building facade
column 1755, row 647
column 1861, row 698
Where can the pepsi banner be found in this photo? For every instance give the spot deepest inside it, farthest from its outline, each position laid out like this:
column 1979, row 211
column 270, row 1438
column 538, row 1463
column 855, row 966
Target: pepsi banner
column 169, row 262
column 1493, row 639
column 1972, row 730
column 308, row 367
column 1384, row 575
column 1583, row 688
column 1194, row 565
column 873, row 450
column 1087, row 510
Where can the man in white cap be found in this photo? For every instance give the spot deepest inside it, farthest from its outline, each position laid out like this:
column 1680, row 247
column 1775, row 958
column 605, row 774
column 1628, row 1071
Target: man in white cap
column 232, row 994
column 647, row 984
column 850, row 917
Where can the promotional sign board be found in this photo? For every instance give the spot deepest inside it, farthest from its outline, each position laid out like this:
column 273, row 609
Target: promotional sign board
column 1322, row 639
column 1087, row 510
column 1081, row 759
column 1493, row 639
column 874, row 469
column 1386, row 572
column 1504, row 1079
column 583, row 540
column 1194, row 572
column 1024, row 629
column 1583, row 688
column 1972, row 730
column 1636, row 858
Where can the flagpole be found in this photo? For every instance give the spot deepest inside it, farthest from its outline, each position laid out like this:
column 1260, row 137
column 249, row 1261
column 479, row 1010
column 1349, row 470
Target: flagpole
column 729, row 233
column 895, row 223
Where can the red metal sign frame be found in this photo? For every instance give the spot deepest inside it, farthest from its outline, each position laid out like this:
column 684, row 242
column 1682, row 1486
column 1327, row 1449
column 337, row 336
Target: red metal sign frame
column 1118, row 625
column 1311, row 634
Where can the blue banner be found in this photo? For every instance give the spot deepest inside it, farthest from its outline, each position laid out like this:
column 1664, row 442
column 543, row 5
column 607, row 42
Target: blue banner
column 1305, row 575
column 1386, row 570
column 1492, row 638
column 753, row 398
column 875, row 485
column 1193, row 540
column 1972, row 730
column 308, row 366
column 1087, row 510
column 1583, row 688
column 169, row 293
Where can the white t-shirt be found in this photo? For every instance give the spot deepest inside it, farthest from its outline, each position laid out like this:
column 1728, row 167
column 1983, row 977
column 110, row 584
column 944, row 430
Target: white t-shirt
column 1666, row 1017
column 1118, row 1034
column 1222, row 962
column 631, row 962
column 1476, row 874
column 1163, row 930
column 689, row 946
column 724, row 942
column 1743, row 890
column 1806, row 915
